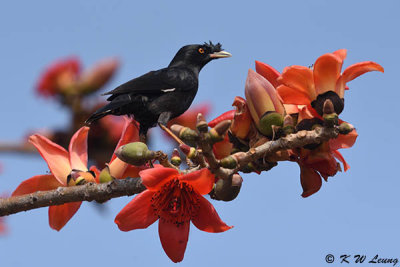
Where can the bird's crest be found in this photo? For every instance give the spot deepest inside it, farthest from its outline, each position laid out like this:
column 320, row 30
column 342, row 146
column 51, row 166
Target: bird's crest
column 213, row 47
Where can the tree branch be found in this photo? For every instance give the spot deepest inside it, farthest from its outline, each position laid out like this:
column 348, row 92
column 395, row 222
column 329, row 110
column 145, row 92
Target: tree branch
column 62, row 195
column 131, row 186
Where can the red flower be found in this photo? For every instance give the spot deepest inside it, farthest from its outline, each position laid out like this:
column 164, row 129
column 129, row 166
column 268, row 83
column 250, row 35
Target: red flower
column 60, row 76
column 72, row 164
column 321, row 161
column 175, row 199
column 303, row 86
column 223, row 148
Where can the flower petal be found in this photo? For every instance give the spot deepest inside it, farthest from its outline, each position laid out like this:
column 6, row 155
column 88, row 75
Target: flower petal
column 343, row 140
column 61, row 214
column 96, row 173
column 57, row 157
column 118, row 168
column 174, row 239
column 133, row 171
column 130, row 133
column 326, row 72
column 339, row 156
column 291, row 95
column 229, row 115
column 78, row 156
column 207, row 218
column 300, row 78
column 341, row 53
column 223, row 148
column 353, row 71
column 268, row 72
column 310, row 181
column 138, row 214
column 154, row 178
column 37, row 183
column 201, row 180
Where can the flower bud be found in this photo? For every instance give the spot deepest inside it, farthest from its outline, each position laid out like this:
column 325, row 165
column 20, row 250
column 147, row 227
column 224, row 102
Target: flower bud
column 176, row 158
column 105, row 175
column 184, row 133
column 201, row 125
column 263, row 103
column 135, row 153
column 229, row 162
column 331, row 120
column 190, row 152
column 228, row 190
column 93, row 79
column 268, row 120
column 222, row 127
column 345, row 128
column 288, row 125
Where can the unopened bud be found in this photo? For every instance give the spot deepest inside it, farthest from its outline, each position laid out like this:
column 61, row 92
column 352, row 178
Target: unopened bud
column 345, row 128
column 229, row 162
column 184, row 133
column 222, row 127
column 331, row 120
column 268, row 120
column 105, row 175
column 201, row 125
column 190, row 152
column 176, row 158
column 135, row 153
column 228, row 190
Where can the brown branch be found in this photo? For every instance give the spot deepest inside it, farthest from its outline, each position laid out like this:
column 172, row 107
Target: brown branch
column 62, row 195
column 130, row 186
column 299, row 139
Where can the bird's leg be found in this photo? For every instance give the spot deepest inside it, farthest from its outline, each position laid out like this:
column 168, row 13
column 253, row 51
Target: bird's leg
column 142, row 137
column 162, row 121
column 143, row 134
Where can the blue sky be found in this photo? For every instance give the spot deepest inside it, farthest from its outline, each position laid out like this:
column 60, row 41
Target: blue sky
column 354, row 213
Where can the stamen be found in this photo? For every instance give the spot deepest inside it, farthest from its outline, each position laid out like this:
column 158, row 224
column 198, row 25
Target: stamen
column 175, row 202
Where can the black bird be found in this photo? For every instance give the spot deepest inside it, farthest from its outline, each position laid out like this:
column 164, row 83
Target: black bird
column 161, row 95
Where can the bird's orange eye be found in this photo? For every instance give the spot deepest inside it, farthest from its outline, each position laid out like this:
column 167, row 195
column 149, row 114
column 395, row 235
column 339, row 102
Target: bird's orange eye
column 201, row 50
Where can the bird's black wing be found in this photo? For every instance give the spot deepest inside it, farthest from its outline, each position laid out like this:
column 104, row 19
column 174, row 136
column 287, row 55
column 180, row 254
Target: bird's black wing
column 155, row 82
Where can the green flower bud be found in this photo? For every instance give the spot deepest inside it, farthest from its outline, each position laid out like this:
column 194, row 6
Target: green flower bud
column 105, row 175
column 269, row 119
column 135, row 153
column 229, row 162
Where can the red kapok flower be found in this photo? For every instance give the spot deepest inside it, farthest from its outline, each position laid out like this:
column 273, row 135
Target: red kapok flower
column 321, row 161
column 60, row 76
column 97, row 76
column 174, row 199
column 61, row 164
column 223, row 148
column 305, row 86
column 72, row 165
